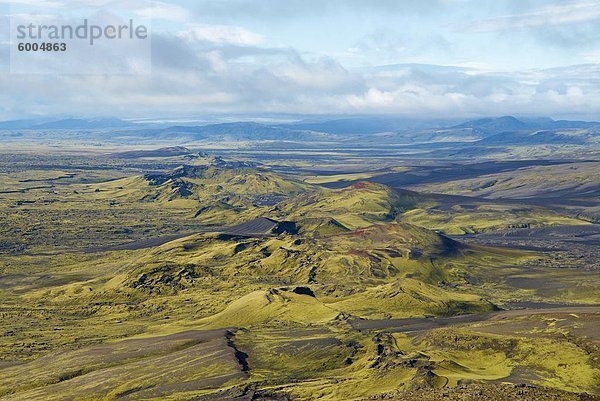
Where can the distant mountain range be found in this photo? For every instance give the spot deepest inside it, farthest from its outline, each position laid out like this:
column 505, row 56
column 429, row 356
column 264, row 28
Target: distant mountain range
column 64, row 124
column 240, row 131
column 512, row 124
column 539, row 138
column 507, row 130
column 171, row 151
column 541, row 131
column 365, row 125
column 494, row 125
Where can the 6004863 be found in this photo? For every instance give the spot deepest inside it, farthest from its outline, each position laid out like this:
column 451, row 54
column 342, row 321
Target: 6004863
column 42, row 47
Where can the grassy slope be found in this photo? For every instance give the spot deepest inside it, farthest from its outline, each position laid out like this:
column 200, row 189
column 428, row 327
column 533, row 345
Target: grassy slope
column 216, row 196
column 527, row 182
column 486, row 218
column 359, row 262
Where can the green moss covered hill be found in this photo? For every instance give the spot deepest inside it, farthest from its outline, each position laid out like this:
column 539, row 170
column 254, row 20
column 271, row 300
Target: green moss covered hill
column 280, row 290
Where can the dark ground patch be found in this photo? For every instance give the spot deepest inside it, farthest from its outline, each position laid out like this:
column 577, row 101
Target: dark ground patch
column 444, row 172
column 423, row 324
column 479, row 392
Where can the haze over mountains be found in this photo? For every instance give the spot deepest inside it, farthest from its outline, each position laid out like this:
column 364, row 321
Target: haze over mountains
column 64, row 124
column 332, row 125
column 507, row 130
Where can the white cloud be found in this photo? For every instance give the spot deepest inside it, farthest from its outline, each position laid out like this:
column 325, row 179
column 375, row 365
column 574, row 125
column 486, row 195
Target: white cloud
column 37, row 3
column 574, row 12
column 230, row 69
column 165, row 11
column 284, row 86
column 141, row 6
column 592, row 56
column 222, row 34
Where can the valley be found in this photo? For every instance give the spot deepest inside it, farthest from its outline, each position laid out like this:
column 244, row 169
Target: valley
column 245, row 269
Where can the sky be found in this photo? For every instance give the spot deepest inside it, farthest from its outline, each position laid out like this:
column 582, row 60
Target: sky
column 419, row 59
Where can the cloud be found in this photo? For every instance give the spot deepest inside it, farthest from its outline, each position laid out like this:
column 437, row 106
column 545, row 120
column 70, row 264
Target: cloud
column 574, row 12
column 142, row 8
column 40, row 3
column 298, row 9
column 287, row 82
column 233, row 67
column 222, row 34
column 592, row 56
column 164, row 11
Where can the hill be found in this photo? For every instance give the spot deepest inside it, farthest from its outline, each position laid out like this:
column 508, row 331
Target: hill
column 78, row 123
column 216, row 193
column 362, row 125
column 244, row 283
column 359, row 205
column 170, row 151
column 550, row 137
column 495, row 125
column 513, row 124
column 229, row 132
